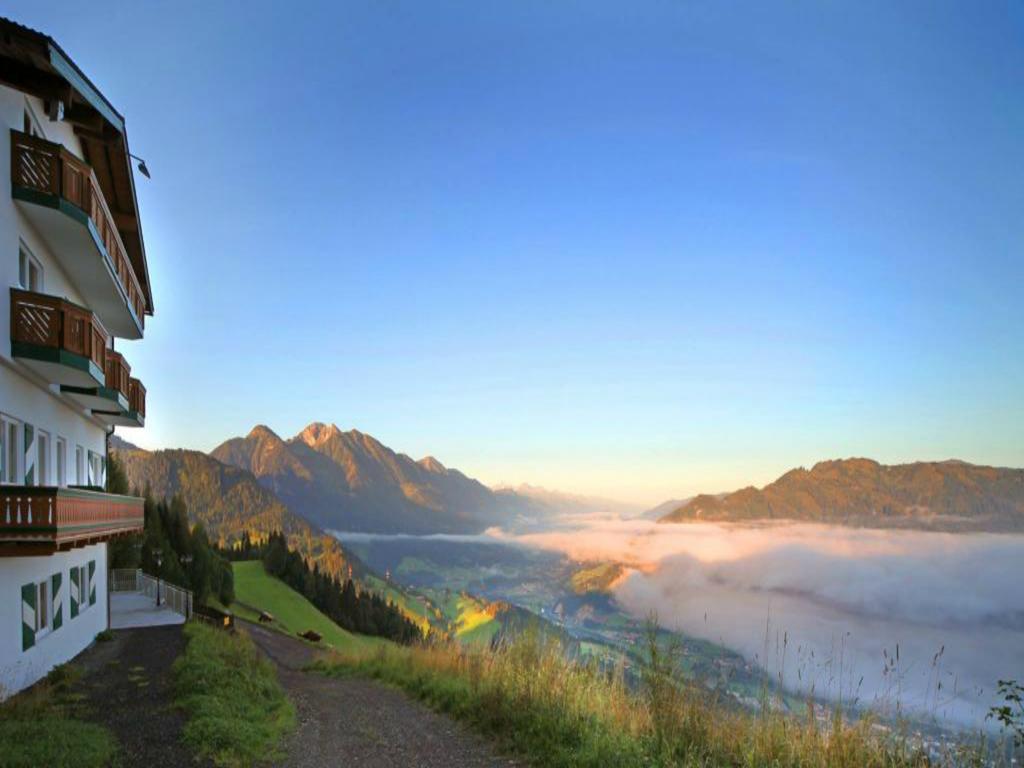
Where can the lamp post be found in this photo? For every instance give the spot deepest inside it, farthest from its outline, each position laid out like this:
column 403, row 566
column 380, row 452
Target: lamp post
column 142, row 165
column 159, row 562
column 186, row 560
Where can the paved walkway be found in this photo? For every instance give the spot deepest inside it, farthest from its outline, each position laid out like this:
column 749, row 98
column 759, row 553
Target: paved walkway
column 132, row 609
column 128, row 687
column 362, row 723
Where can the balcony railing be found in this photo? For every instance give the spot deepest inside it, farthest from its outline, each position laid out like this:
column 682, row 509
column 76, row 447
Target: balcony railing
column 48, row 168
column 48, row 518
column 118, row 373
column 137, row 397
column 57, row 324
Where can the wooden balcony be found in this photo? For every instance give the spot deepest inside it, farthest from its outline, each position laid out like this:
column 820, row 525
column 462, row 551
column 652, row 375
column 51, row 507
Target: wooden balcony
column 42, row 520
column 118, row 373
column 132, row 414
column 137, row 399
column 60, row 195
column 64, row 343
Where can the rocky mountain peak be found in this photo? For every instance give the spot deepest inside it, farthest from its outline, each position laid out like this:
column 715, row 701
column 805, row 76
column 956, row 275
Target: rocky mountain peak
column 431, row 464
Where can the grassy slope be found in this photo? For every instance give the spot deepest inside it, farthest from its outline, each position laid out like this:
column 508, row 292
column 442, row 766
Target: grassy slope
column 410, row 604
column 292, row 612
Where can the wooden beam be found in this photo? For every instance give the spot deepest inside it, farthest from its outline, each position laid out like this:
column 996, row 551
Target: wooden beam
column 30, row 80
column 108, row 135
column 26, row 550
column 84, row 116
column 126, row 222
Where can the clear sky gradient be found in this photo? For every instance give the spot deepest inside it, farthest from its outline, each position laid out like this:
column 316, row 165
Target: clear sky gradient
column 633, row 249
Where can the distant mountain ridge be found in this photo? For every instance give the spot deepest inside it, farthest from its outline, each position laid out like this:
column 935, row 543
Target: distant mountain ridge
column 944, row 495
column 573, row 503
column 349, row 481
column 228, row 501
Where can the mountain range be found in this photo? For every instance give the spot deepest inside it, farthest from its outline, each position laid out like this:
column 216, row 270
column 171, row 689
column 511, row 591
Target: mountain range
column 229, row 502
column 942, row 495
column 349, row 481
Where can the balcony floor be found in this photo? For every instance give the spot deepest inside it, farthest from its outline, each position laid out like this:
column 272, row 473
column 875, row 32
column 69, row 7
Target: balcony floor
column 134, row 609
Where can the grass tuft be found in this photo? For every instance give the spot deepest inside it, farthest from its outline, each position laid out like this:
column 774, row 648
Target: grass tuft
column 238, row 713
column 38, row 727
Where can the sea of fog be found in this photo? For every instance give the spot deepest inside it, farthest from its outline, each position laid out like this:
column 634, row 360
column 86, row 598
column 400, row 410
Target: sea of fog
column 918, row 620
column 926, row 622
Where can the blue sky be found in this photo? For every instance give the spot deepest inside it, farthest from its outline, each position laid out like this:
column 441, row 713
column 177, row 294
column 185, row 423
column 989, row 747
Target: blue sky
column 634, row 249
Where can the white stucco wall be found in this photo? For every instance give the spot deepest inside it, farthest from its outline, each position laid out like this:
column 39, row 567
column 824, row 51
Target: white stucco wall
column 18, row 668
column 34, row 404
column 23, row 395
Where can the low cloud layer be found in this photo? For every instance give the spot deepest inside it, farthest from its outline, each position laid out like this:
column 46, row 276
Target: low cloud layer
column 825, row 607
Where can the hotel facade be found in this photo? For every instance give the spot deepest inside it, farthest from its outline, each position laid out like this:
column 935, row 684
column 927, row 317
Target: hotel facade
column 73, row 284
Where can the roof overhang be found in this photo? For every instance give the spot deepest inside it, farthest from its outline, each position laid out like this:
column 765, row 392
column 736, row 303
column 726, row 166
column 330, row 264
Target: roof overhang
column 33, row 63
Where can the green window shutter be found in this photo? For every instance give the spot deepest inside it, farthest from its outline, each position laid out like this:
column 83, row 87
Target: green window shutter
column 92, row 582
column 74, row 592
column 30, row 455
column 58, row 608
column 28, row 616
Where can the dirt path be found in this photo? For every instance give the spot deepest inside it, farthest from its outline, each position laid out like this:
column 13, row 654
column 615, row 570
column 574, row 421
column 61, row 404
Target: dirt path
column 126, row 686
column 361, row 723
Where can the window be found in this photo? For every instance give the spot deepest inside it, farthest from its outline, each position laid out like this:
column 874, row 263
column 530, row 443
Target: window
column 62, row 462
column 30, row 271
column 95, row 469
column 10, row 451
column 80, row 586
column 79, row 465
column 42, row 608
column 43, row 458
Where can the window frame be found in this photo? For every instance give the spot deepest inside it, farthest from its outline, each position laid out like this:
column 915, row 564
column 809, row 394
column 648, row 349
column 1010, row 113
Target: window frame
column 95, row 469
column 44, row 609
column 81, row 475
column 42, row 457
column 26, row 262
column 83, row 587
column 60, row 464
column 10, row 425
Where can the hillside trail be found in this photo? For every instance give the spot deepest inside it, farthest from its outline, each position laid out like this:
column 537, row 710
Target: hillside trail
column 363, row 723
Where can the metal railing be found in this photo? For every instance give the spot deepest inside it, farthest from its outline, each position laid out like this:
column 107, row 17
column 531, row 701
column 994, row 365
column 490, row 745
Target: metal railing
column 175, row 598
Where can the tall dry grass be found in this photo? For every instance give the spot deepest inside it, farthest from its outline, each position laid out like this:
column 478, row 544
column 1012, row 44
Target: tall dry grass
column 559, row 712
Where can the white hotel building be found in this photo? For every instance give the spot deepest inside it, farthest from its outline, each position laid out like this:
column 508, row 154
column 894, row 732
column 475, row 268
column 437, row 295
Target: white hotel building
column 73, row 280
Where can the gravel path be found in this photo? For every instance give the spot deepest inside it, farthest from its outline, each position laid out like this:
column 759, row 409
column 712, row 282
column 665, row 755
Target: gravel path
column 362, row 723
column 126, row 686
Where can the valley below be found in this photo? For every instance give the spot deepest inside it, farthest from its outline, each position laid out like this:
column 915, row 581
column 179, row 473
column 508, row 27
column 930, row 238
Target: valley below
column 905, row 623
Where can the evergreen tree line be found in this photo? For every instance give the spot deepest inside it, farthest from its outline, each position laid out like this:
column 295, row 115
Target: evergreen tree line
column 367, row 613
column 169, row 547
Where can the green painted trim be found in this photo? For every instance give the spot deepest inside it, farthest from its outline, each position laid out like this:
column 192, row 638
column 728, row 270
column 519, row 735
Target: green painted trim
column 74, row 591
column 28, row 632
column 59, row 357
column 58, row 602
column 58, row 203
column 106, row 393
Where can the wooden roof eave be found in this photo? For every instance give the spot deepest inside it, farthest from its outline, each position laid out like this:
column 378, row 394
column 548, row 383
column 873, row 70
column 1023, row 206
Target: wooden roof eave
column 34, row 63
